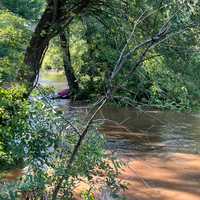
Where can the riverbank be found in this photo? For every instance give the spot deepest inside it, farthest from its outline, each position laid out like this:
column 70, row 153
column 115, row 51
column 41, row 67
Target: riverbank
column 172, row 176
column 161, row 151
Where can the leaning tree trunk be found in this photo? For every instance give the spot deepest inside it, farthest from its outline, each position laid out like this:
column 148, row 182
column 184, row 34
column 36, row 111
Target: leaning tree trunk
column 56, row 17
column 69, row 72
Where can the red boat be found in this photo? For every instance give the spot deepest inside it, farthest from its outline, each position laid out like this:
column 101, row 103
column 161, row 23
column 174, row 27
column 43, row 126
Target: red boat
column 64, row 94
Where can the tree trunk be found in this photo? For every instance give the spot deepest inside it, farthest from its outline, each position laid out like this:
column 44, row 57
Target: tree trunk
column 54, row 19
column 69, row 72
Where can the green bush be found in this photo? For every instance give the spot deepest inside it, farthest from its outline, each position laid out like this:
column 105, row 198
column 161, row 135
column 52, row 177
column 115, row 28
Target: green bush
column 14, row 34
column 33, row 131
column 13, row 123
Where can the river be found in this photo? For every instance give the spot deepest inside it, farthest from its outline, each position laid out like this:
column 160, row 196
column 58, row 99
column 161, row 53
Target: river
column 161, row 149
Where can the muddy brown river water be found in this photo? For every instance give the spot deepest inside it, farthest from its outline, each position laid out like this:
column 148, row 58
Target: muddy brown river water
column 161, row 150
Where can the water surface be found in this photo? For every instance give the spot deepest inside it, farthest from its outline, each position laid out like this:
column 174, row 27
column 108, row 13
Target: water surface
column 161, row 149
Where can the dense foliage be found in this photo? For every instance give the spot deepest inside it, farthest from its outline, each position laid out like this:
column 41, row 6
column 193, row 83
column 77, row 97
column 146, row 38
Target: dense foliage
column 25, row 8
column 14, row 34
column 35, row 133
column 13, row 123
column 32, row 132
column 166, row 79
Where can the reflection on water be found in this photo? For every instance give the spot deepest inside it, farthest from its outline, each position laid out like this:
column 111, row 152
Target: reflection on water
column 161, row 150
column 152, row 130
column 128, row 129
column 145, row 131
column 53, row 79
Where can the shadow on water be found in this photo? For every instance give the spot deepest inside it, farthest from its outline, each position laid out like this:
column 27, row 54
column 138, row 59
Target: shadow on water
column 53, row 79
column 161, row 150
column 147, row 131
column 129, row 129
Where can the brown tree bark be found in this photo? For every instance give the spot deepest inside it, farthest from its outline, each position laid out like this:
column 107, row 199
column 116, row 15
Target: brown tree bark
column 69, row 72
column 54, row 19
